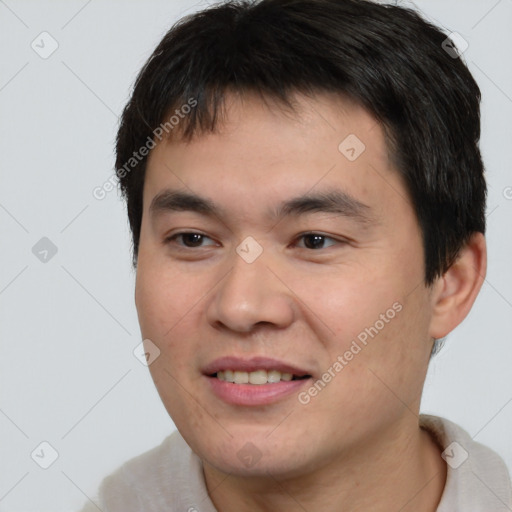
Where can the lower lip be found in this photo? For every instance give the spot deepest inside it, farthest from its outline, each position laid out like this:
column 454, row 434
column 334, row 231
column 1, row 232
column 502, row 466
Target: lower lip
column 254, row 394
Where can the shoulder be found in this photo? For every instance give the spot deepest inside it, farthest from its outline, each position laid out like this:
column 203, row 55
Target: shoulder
column 152, row 481
column 477, row 476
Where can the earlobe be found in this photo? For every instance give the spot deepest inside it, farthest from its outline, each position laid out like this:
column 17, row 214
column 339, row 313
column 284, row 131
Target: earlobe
column 456, row 290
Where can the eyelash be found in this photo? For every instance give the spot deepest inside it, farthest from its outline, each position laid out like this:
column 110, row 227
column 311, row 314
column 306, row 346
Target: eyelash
column 172, row 238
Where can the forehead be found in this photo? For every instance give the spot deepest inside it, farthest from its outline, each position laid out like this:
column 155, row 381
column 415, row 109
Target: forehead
column 261, row 152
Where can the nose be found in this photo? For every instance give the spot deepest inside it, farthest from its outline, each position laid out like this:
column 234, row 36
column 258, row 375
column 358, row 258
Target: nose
column 251, row 294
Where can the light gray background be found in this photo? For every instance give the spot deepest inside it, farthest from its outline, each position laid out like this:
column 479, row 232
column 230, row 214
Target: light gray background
column 68, row 326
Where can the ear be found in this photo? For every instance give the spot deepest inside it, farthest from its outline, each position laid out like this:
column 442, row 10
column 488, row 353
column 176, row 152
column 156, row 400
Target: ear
column 454, row 293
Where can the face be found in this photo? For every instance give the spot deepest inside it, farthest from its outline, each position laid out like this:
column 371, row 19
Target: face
column 299, row 254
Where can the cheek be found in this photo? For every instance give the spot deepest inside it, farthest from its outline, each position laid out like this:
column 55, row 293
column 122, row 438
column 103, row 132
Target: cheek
column 162, row 297
column 350, row 302
column 169, row 306
column 165, row 311
column 373, row 323
column 150, row 301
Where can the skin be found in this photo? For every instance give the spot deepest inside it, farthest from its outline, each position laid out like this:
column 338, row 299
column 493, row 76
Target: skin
column 357, row 445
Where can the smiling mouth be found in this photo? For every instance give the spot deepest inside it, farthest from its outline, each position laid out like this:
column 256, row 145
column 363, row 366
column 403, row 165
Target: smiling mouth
column 258, row 377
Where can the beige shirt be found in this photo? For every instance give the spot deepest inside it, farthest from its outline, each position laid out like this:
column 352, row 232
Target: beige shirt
column 169, row 478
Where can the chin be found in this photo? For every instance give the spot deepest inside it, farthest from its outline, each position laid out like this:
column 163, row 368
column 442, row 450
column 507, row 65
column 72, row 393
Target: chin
column 278, row 467
column 256, row 456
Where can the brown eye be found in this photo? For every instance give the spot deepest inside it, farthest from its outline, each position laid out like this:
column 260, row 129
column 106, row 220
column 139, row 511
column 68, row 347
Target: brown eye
column 316, row 241
column 189, row 239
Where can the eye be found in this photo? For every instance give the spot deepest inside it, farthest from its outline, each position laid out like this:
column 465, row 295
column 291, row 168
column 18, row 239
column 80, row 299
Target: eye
column 316, row 240
column 189, row 239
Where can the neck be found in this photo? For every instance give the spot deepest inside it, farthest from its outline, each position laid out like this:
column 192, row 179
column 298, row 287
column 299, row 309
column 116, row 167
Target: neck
column 394, row 472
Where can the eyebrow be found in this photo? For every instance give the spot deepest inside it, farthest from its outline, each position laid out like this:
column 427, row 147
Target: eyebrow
column 328, row 201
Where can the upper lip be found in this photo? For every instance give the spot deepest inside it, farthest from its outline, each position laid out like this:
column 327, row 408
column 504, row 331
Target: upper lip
column 251, row 365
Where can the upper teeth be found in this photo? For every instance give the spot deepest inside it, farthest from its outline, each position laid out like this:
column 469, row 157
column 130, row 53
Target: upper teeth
column 257, row 377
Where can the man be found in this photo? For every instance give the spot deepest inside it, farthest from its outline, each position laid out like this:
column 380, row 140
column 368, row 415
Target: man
column 306, row 197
